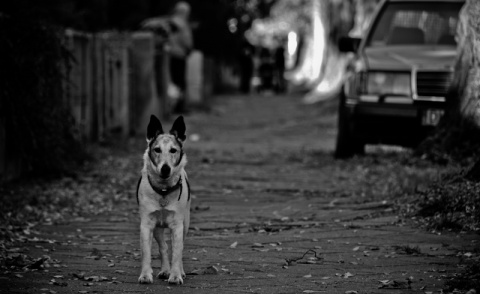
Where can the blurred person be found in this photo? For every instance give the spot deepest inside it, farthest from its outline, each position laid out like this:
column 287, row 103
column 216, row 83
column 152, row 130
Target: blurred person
column 279, row 58
column 265, row 70
column 179, row 44
column 246, row 67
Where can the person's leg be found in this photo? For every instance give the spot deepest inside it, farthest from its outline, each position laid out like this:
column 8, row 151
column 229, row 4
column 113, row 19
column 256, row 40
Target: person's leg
column 178, row 74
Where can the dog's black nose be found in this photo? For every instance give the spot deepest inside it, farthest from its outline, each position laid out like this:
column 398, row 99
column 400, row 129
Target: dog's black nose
column 165, row 171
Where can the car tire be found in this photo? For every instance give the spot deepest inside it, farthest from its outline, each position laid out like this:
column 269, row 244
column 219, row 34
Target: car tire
column 346, row 145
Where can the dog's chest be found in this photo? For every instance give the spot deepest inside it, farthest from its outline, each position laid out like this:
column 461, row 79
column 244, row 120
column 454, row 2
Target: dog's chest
column 163, row 217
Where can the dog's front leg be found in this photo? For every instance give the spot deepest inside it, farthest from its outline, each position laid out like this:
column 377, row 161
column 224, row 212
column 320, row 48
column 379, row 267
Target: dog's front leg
column 159, row 235
column 176, row 272
column 146, row 232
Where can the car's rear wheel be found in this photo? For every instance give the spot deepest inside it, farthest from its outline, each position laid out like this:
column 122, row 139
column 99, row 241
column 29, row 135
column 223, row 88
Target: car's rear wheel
column 347, row 146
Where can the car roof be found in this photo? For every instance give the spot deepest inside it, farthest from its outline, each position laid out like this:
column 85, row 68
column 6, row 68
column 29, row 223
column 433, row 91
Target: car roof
column 452, row 1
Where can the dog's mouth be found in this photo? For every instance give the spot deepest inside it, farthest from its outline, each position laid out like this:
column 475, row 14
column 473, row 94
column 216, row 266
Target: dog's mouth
column 164, row 177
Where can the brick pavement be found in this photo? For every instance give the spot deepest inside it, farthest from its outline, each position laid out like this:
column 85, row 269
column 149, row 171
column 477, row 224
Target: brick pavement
column 259, row 206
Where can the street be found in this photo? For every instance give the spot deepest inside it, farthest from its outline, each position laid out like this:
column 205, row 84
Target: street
column 272, row 212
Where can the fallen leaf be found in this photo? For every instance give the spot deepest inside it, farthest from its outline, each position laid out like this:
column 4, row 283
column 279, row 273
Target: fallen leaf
column 211, row 270
column 37, row 264
column 92, row 278
column 62, row 284
column 392, row 284
column 80, row 275
column 195, row 272
column 261, row 249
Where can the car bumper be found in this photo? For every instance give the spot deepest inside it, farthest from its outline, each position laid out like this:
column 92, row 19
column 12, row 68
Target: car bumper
column 402, row 124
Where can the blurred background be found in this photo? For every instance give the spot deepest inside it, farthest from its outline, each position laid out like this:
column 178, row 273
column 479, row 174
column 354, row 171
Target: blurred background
column 79, row 71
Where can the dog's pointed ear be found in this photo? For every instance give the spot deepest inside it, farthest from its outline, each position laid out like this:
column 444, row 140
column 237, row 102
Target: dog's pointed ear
column 178, row 129
column 154, row 128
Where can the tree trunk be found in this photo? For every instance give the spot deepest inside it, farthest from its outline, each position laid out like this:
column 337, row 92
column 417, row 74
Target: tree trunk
column 458, row 135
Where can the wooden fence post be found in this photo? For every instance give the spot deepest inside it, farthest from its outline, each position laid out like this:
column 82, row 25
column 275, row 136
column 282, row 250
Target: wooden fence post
column 88, row 94
column 11, row 163
column 3, row 151
column 124, row 89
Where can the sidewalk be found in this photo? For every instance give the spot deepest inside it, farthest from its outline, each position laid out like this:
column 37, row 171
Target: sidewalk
column 273, row 212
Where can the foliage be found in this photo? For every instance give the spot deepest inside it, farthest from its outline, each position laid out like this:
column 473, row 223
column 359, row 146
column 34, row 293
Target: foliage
column 38, row 124
column 453, row 203
column 468, row 279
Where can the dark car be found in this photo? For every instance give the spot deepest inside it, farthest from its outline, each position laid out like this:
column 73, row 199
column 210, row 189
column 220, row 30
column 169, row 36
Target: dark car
column 396, row 84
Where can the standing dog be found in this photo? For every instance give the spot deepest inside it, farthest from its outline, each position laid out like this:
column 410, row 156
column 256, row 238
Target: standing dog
column 163, row 195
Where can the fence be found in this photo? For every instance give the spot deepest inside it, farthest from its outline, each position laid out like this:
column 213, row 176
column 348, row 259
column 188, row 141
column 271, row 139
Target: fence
column 113, row 85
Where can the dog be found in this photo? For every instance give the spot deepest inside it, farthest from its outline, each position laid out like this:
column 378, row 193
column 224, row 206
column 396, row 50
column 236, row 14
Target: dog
column 163, row 196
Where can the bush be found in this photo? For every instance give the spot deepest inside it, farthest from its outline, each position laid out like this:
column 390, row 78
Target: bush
column 451, row 205
column 38, row 123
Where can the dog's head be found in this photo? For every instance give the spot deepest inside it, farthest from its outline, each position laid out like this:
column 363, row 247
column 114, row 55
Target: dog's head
column 165, row 150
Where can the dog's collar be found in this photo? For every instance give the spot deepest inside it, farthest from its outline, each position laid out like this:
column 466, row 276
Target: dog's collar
column 168, row 190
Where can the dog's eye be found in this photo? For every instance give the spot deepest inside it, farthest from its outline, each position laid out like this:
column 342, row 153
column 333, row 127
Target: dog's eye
column 157, row 150
column 173, row 150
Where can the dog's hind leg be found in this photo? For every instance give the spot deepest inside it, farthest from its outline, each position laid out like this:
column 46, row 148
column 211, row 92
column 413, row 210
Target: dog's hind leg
column 159, row 234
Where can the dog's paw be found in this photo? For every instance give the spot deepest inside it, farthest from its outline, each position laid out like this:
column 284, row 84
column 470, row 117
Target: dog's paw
column 145, row 278
column 175, row 279
column 163, row 274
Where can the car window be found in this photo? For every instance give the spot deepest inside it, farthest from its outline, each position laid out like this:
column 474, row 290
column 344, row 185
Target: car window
column 415, row 23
